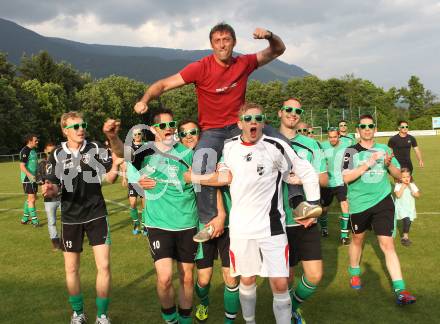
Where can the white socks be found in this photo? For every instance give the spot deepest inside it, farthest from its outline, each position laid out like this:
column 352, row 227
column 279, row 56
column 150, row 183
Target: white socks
column 248, row 300
column 282, row 308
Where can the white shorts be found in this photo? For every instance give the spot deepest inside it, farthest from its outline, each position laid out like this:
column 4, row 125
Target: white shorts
column 266, row 257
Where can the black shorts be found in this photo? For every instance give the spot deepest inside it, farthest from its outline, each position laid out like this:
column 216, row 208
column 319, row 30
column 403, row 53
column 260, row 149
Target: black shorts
column 135, row 190
column 304, row 244
column 177, row 245
column 214, row 248
column 379, row 218
column 327, row 194
column 72, row 235
column 30, row 187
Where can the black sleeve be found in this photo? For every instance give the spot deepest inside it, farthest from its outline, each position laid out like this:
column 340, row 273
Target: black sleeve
column 413, row 141
column 24, row 154
column 51, row 168
column 391, row 142
column 41, row 172
column 104, row 157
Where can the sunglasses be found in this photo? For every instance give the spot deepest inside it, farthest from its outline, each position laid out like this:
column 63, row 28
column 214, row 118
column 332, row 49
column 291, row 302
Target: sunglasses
column 135, row 134
column 302, row 130
column 193, row 132
column 77, row 126
column 401, row 127
column 311, row 132
column 363, row 126
column 289, row 110
column 171, row 124
column 257, row 118
column 342, row 125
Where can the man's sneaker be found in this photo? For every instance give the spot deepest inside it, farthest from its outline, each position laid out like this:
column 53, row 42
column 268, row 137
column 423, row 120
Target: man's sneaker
column 297, row 317
column 345, row 241
column 305, row 210
column 24, row 220
column 355, row 282
column 405, row 298
column 201, row 313
column 78, row 318
column 204, row 234
column 144, row 231
column 102, row 320
column 405, row 242
column 136, row 229
column 324, row 232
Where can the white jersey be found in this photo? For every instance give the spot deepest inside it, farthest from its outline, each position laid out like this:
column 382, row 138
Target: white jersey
column 256, row 187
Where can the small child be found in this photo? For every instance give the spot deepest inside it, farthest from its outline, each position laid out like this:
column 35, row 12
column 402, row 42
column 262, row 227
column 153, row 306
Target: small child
column 406, row 191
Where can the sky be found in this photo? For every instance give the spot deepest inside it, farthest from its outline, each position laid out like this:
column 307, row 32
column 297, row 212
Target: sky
column 385, row 41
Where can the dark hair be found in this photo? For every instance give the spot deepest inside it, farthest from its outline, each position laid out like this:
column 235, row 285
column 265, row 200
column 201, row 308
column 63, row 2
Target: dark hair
column 222, row 27
column 365, row 116
column 407, row 171
column 49, row 144
column 29, row 137
column 402, row 121
column 155, row 115
column 187, row 121
column 342, row 121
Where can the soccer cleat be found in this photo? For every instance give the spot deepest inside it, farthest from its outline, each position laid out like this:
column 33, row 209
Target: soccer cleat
column 324, row 232
column 405, row 298
column 102, row 320
column 305, row 210
column 345, row 241
column 78, row 318
column 297, row 317
column 35, row 222
column 144, row 231
column 405, row 242
column 355, row 282
column 136, row 229
column 201, row 313
column 204, row 235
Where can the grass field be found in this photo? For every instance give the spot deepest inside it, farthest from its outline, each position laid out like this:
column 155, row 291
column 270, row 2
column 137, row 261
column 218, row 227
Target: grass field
column 32, row 288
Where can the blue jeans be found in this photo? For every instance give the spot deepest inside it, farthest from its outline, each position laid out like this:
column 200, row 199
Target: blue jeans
column 207, row 153
column 51, row 213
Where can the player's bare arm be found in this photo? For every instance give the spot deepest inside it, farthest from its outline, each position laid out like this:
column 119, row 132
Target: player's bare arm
column 25, row 170
column 276, row 46
column 217, row 179
column 156, row 89
column 419, row 156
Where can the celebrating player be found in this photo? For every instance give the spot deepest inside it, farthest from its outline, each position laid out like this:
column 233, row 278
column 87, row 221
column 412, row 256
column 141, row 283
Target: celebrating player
column 75, row 172
column 366, row 166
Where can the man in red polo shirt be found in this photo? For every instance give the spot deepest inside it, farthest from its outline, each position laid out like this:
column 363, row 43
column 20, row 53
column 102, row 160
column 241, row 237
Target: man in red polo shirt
column 220, row 81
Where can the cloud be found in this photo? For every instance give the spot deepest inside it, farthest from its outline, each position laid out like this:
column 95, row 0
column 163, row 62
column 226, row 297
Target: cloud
column 382, row 40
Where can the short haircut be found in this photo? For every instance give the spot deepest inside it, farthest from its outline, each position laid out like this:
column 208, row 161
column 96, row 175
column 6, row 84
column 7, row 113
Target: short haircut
column 155, row 116
column 49, row 144
column 293, row 98
column 187, row 121
column 222, row 27
column 342, row 121
column 247, row 106
column 69, row 115
column 400, row 122
column 29, row 137
column 365, row 116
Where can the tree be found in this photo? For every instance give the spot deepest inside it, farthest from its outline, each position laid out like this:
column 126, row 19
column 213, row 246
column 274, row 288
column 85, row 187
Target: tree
column 414, row 95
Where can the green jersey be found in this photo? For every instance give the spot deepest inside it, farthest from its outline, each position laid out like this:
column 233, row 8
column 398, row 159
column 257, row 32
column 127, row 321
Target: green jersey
column 308, row 149
column 334, row 156
column 374, row 185
column 348, row 139
column 171, row 204
column 29, row 157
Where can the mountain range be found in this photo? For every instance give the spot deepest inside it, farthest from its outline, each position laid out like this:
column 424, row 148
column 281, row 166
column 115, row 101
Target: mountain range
column 145, row 64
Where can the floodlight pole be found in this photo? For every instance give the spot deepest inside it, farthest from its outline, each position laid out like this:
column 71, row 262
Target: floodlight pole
column 328, row 122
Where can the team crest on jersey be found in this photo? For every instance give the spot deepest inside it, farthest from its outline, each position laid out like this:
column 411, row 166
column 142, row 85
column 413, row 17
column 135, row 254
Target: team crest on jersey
column 85, row 158
column 260, row 169
column 68, row 164
column 248, row 157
